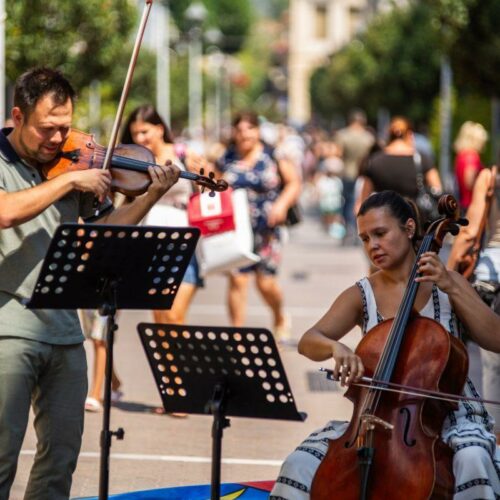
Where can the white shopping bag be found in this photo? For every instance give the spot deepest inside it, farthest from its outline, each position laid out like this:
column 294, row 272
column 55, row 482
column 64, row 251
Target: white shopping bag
column 227, row 242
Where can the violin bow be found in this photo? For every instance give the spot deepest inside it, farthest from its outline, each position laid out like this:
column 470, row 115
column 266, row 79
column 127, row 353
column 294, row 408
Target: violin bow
column 379, row 385
column 126, row 88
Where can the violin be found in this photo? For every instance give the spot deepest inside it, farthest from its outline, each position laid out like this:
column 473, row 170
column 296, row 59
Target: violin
column 392, row 447
column 128, row 166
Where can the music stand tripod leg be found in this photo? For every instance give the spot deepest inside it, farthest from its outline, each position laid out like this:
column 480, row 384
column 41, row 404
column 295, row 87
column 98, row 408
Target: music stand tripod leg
column 108, row 309
column 217, row 409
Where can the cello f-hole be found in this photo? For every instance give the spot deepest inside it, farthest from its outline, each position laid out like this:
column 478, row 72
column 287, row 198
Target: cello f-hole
column 407, row 416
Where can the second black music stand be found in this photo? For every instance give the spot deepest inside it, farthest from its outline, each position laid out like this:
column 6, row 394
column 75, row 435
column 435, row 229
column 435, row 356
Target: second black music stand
column 107, row 267
column 219, row 371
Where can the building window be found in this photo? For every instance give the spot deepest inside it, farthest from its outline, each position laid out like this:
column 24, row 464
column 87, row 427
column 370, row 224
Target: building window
column 321, row 21
column 355, row 21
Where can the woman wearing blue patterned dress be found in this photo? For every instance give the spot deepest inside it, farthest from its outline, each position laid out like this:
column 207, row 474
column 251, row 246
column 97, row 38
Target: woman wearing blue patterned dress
column 272, row 187
column 386, row 226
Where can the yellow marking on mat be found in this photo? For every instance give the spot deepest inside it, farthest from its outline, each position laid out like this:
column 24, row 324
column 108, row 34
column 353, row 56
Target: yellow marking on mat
column 235, row 494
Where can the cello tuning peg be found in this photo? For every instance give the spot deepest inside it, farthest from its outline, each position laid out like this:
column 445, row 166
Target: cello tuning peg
column 202, row 171
column 211, row 175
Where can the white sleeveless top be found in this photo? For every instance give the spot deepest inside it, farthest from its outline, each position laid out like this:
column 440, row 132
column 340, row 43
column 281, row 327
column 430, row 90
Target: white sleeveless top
column 471, row 420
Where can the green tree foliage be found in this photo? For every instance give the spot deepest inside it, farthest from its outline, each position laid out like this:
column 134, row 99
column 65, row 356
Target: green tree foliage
column 393, row 65
column 476, row 54
column 448, row 18
column 232, row 17
column 84, row 38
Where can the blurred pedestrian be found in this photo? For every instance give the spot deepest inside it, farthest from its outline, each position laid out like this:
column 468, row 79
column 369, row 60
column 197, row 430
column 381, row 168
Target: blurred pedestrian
column 94, row 328
column 468, row 145
column 354, row 141
column 145, row 127
column 273, row 187
column 330, row 200
column 396, row 167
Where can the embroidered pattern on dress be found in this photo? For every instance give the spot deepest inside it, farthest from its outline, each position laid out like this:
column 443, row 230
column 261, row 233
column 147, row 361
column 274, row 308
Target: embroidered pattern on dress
column 435, row 301
column 365, row 305
column 311, row 451
column 292, row 483
column 325, row 429
column 482, row 408
column 472, row 443
column 480, row 481
column 474, row 409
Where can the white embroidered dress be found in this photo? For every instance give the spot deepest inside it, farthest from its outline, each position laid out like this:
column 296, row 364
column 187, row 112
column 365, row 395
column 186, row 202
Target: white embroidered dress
column 476, row 460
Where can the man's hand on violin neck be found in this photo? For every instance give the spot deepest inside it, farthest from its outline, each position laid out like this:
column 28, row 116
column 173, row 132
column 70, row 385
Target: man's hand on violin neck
column 94, row 180
column 163, row 177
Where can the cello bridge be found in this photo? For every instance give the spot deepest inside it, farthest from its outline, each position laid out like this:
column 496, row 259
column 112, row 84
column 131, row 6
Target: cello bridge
column 369, row 422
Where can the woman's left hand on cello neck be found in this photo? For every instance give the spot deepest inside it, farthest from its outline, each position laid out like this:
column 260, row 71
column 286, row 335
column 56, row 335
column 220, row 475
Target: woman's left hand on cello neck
column 481, row 322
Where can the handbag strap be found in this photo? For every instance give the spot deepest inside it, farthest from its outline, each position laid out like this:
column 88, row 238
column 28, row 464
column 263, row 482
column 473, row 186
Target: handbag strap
column 417, row 160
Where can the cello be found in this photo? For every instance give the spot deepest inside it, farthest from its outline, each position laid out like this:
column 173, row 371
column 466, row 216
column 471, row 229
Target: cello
column 392, row 448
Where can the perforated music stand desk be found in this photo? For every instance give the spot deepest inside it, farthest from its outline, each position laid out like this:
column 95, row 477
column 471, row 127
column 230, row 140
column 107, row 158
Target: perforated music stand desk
column 108, row 267
column 220, row 371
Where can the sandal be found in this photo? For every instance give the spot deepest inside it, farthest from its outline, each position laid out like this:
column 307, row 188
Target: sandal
column 92, row 405
column 116, row 396
column 161, row 411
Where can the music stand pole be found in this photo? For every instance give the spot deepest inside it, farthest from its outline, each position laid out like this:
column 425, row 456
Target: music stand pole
column 108, row 309
column 222, row 371
column 216, row 407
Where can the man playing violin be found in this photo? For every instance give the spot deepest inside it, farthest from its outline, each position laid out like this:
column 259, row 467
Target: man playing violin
column 387, row 227
column 42, row 359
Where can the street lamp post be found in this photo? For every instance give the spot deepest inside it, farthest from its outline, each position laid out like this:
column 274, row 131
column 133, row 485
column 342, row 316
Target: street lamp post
column 195, row 15
column 445, row 122
column 213, row 38
column 163, row 62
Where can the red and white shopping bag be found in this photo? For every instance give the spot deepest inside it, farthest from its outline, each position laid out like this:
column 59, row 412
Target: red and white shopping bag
column 212, row 214
column 224, row 222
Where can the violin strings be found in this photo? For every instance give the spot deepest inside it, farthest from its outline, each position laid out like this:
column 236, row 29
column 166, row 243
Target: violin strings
column 142, row 165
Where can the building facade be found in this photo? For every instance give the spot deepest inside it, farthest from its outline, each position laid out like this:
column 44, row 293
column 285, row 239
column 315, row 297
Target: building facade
column 317, row 29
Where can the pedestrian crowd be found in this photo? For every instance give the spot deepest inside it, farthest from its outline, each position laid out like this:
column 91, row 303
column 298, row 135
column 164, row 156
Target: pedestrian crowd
column 374, row 189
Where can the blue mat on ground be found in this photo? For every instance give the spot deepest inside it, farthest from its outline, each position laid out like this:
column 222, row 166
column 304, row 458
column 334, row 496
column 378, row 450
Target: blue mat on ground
column 229, row 491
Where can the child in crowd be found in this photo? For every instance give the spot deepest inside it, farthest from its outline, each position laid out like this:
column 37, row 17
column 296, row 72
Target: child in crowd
column 329, row 191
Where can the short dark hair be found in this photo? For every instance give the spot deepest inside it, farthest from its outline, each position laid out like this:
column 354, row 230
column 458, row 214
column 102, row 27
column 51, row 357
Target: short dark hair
column 36, row 83
column 246, row 116
column 356, row 115
column 399, row 207
column 148, row 114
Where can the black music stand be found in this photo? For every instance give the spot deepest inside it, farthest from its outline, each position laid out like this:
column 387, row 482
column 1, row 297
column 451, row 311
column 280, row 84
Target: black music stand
column 107, row 267
column 220, row 371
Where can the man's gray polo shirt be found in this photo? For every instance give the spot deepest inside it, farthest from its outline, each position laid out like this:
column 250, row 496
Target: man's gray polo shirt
column 22, row 250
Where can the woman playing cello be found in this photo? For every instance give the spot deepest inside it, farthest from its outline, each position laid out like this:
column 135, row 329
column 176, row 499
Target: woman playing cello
column 387, row 228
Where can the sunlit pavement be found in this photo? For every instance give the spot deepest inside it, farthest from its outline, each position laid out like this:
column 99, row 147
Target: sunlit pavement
column 162, row 451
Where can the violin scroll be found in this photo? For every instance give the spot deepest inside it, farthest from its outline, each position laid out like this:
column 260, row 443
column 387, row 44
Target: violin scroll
column 209, row 182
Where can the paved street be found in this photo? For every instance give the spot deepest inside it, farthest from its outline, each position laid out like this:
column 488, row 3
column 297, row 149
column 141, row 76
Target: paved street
column 160, row 451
